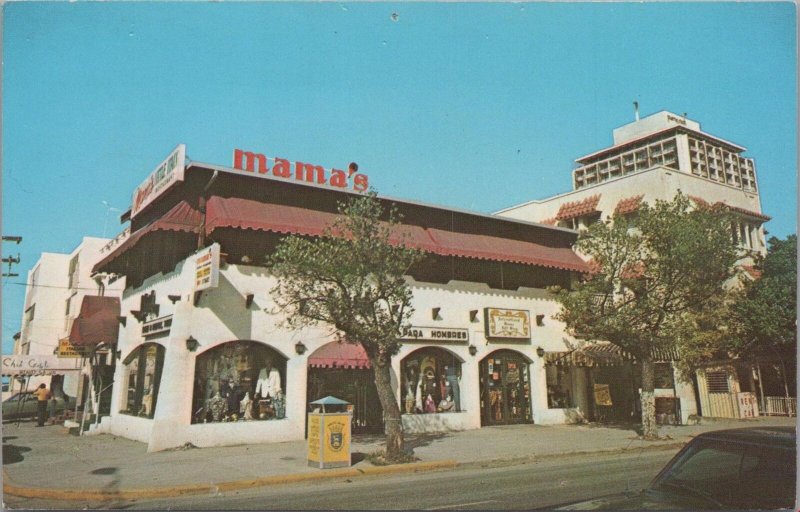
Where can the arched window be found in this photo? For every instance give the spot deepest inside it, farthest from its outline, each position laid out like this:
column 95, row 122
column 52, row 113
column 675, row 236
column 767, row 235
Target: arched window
column 143, row 375
column 239, row 381
column 430, row 380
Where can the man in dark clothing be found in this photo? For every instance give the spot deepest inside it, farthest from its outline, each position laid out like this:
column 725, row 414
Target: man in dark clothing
column 42, row 396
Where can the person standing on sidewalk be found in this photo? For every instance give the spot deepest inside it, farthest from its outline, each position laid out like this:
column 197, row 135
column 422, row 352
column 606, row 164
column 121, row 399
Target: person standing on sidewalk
column 42, row 396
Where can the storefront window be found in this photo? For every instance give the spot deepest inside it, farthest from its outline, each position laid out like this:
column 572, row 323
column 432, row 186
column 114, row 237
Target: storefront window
column 239, row 381
column 558, row 387
column 143, row 368
column 430, row 382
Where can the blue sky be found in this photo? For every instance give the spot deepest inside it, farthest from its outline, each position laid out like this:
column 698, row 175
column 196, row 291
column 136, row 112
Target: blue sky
column 477, row 106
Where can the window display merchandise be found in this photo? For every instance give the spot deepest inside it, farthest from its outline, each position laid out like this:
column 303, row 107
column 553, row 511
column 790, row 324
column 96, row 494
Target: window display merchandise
column 239, row 381
column 431, row 382
column 505, row 389
column 143, row 375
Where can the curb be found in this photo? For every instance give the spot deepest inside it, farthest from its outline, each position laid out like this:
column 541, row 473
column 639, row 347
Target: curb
column 351, row 472
column 193, row 489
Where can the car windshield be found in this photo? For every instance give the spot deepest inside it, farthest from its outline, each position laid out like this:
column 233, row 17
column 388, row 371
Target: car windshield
column 733, row 475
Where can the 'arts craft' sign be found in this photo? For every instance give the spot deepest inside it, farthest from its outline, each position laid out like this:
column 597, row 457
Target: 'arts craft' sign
column 507, row 323
column 259, row 164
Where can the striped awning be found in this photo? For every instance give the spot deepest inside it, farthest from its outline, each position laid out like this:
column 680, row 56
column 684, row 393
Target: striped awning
column 602, row 353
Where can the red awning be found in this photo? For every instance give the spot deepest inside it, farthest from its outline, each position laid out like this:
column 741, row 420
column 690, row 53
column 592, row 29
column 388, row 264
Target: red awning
column 628, row 205
column 234, row 212
column 98, row 322
column 182, row 217
column 339, row 355
column 494, row 248
column 578, row 208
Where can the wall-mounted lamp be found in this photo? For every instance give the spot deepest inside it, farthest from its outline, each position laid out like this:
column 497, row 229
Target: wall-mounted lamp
column 299, row 348
column 435, row 313
column 473, row 350
column 119, row 354
column 540, row 320
column 248, row 300
column 174, row 298
column 123, row 320
column 473, row 315
column 192, row 344
column 540, row 351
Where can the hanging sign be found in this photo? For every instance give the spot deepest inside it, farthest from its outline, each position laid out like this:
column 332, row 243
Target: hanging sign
column 166, row 174
column 36, row 365
column 507, row 323
column 258, row 164
column 442, row 334
column 206, row 273
column 67, row 349
column 602, row 394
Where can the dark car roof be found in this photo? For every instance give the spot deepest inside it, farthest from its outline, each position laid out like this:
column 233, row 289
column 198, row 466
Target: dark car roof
column 774, row 436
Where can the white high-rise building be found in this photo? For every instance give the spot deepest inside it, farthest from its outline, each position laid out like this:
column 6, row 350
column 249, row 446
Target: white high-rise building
column 653, row 158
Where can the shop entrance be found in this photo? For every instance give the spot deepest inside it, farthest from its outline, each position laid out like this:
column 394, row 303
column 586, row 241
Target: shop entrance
column 344, row 371
column 505, row 389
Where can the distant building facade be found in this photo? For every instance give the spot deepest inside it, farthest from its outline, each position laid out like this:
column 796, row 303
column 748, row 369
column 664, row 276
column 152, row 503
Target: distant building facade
column 653, row 159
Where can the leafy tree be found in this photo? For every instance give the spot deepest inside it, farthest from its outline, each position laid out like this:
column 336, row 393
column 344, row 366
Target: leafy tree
column 764, row 314
column 352, row 279
column 652, row 274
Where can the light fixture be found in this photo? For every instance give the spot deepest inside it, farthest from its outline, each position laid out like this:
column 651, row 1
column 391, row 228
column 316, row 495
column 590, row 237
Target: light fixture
column 540, row 351
column 119, row 354
column 473, row 315
column 299, row 348
column 192, row 344
column 174, row 298
column 248, row 299
column 473, row 350
column 540, row 320
column 435, row 313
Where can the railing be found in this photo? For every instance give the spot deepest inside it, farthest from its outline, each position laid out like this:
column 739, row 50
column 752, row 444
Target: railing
column 779, row 406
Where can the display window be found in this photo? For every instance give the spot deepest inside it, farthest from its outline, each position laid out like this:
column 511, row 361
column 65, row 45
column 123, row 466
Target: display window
column 558, row 387
column 431, row 382
column 239, row 381
column 143, row 375
column 505, row 388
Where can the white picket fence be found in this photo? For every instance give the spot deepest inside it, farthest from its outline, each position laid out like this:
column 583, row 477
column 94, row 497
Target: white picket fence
column 779, row 406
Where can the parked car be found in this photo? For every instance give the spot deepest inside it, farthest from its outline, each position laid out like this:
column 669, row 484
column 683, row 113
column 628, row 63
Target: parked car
column 24, row 405
column 746, row 468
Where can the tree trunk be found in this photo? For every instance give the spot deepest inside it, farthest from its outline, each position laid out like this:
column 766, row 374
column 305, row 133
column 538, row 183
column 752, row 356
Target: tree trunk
column 391, row 410
column 649, row 426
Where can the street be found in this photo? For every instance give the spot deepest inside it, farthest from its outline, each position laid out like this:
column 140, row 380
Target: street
column 547, row 482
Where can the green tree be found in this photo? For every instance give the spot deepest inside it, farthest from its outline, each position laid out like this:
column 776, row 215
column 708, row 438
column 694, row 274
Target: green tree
column 764, row 314
column 352, row 279
column 652, row 274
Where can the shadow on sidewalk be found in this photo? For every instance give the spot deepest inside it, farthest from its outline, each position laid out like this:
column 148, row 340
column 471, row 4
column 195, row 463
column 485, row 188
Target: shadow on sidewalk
column 13, row 453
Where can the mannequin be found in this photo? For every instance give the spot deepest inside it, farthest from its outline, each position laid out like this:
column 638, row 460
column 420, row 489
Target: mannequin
column 269, row 382
column 430, row 405
column 453, row 378
column 245, row 407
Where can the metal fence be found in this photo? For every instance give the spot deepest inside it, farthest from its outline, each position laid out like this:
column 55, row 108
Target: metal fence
column 779, row 406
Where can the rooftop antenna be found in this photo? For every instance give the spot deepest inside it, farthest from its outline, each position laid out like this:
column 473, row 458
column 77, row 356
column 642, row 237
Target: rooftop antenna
column 636, row 110
column 109, row 209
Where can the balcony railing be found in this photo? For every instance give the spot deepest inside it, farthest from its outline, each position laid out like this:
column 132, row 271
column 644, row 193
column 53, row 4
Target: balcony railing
column 779, row 406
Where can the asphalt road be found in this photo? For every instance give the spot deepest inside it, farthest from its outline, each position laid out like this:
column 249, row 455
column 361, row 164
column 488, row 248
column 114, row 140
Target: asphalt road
column 538, row 484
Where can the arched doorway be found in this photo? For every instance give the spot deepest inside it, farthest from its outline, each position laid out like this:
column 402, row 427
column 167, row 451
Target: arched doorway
column 344, row 371
column 505, row 388
column 430, row 381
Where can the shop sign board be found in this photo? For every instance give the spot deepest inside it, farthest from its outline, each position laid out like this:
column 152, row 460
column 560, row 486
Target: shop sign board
column 441, row 334
column 165, row 175
column 67, row 349
column 206, row 268
column 36, row 365
column 258, row 164
column 507, row 323
column 748, row 406
column 157, row 326
column 602, row 394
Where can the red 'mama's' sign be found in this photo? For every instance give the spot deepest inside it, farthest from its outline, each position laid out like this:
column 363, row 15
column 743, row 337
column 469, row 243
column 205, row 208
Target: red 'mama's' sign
column 300, row 171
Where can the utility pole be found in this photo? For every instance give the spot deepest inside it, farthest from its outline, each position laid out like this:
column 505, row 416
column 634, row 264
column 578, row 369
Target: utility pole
column 11, row 260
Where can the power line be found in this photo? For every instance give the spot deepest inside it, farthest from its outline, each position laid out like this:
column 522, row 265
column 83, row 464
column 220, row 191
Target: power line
column 51, row 286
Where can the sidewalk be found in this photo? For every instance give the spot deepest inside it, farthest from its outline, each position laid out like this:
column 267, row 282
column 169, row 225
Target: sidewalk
column 102, row 466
